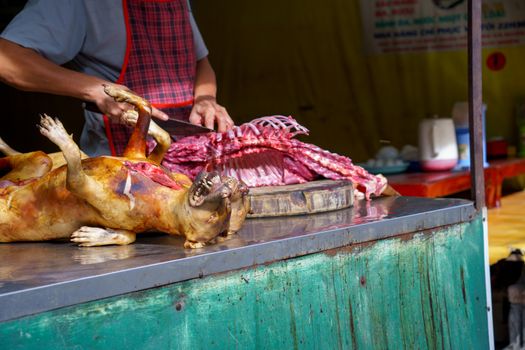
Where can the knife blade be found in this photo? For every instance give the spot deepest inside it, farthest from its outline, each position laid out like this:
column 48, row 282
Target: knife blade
column 178, row 127
column 173, row 126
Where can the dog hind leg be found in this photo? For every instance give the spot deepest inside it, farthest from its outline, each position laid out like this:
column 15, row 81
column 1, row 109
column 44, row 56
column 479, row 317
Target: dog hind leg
column 161, row 136
column 23, row 166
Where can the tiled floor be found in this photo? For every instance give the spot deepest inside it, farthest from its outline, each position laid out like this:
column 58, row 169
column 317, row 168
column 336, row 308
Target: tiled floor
column 507, row 226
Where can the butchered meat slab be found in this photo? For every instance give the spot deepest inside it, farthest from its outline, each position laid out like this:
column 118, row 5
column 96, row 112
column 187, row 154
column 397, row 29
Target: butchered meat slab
column 264, row 152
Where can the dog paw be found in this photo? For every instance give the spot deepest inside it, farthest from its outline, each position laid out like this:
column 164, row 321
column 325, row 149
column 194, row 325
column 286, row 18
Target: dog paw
column 53, row 129
column 193, row 245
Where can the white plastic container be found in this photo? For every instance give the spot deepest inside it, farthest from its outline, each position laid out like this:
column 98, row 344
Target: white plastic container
column 438, row 149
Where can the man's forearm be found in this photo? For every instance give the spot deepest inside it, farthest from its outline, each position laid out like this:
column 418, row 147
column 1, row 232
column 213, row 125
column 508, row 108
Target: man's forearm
column 25, row 69
column 205, row 81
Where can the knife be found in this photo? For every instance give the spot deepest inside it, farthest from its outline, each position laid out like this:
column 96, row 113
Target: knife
column 174, row 127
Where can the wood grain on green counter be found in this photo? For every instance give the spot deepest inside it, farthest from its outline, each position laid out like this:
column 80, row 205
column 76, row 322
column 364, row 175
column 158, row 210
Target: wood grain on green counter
column 416, row 291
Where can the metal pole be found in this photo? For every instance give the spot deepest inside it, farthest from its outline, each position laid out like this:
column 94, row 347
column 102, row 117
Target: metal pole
column 475, row 104
column 477, row 176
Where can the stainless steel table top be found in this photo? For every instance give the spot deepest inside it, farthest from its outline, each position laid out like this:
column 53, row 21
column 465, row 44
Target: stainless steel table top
column 37, row 277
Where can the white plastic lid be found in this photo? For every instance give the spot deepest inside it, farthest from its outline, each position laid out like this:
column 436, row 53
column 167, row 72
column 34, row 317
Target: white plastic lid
column 460, row 114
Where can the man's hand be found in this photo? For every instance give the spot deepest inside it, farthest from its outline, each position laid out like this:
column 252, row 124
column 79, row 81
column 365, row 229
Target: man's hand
column 207, row 112
column 116, row 110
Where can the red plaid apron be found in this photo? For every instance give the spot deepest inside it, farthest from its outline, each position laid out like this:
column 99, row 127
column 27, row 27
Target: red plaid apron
column 159, row 63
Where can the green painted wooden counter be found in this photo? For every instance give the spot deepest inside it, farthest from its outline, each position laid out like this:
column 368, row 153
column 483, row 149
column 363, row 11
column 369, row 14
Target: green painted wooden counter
column 402, row 273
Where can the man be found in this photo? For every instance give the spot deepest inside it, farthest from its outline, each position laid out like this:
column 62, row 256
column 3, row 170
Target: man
column 151, row 47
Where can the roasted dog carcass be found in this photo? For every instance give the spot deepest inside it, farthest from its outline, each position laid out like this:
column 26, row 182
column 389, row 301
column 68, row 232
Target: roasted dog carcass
column 108, row 200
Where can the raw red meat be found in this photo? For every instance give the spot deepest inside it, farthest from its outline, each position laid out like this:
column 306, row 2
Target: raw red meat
column 264, row 152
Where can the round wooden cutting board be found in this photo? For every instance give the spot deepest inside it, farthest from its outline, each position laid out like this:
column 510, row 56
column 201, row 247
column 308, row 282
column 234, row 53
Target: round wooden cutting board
column 311, row 197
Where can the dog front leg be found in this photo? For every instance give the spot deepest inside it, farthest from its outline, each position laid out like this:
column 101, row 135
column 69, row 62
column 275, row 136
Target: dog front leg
column 54, row 131
column 95, row 236
column 77, row 181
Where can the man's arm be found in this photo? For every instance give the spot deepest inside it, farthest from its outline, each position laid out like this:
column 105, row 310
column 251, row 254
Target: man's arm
column 206, row 111
column 25, row 69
